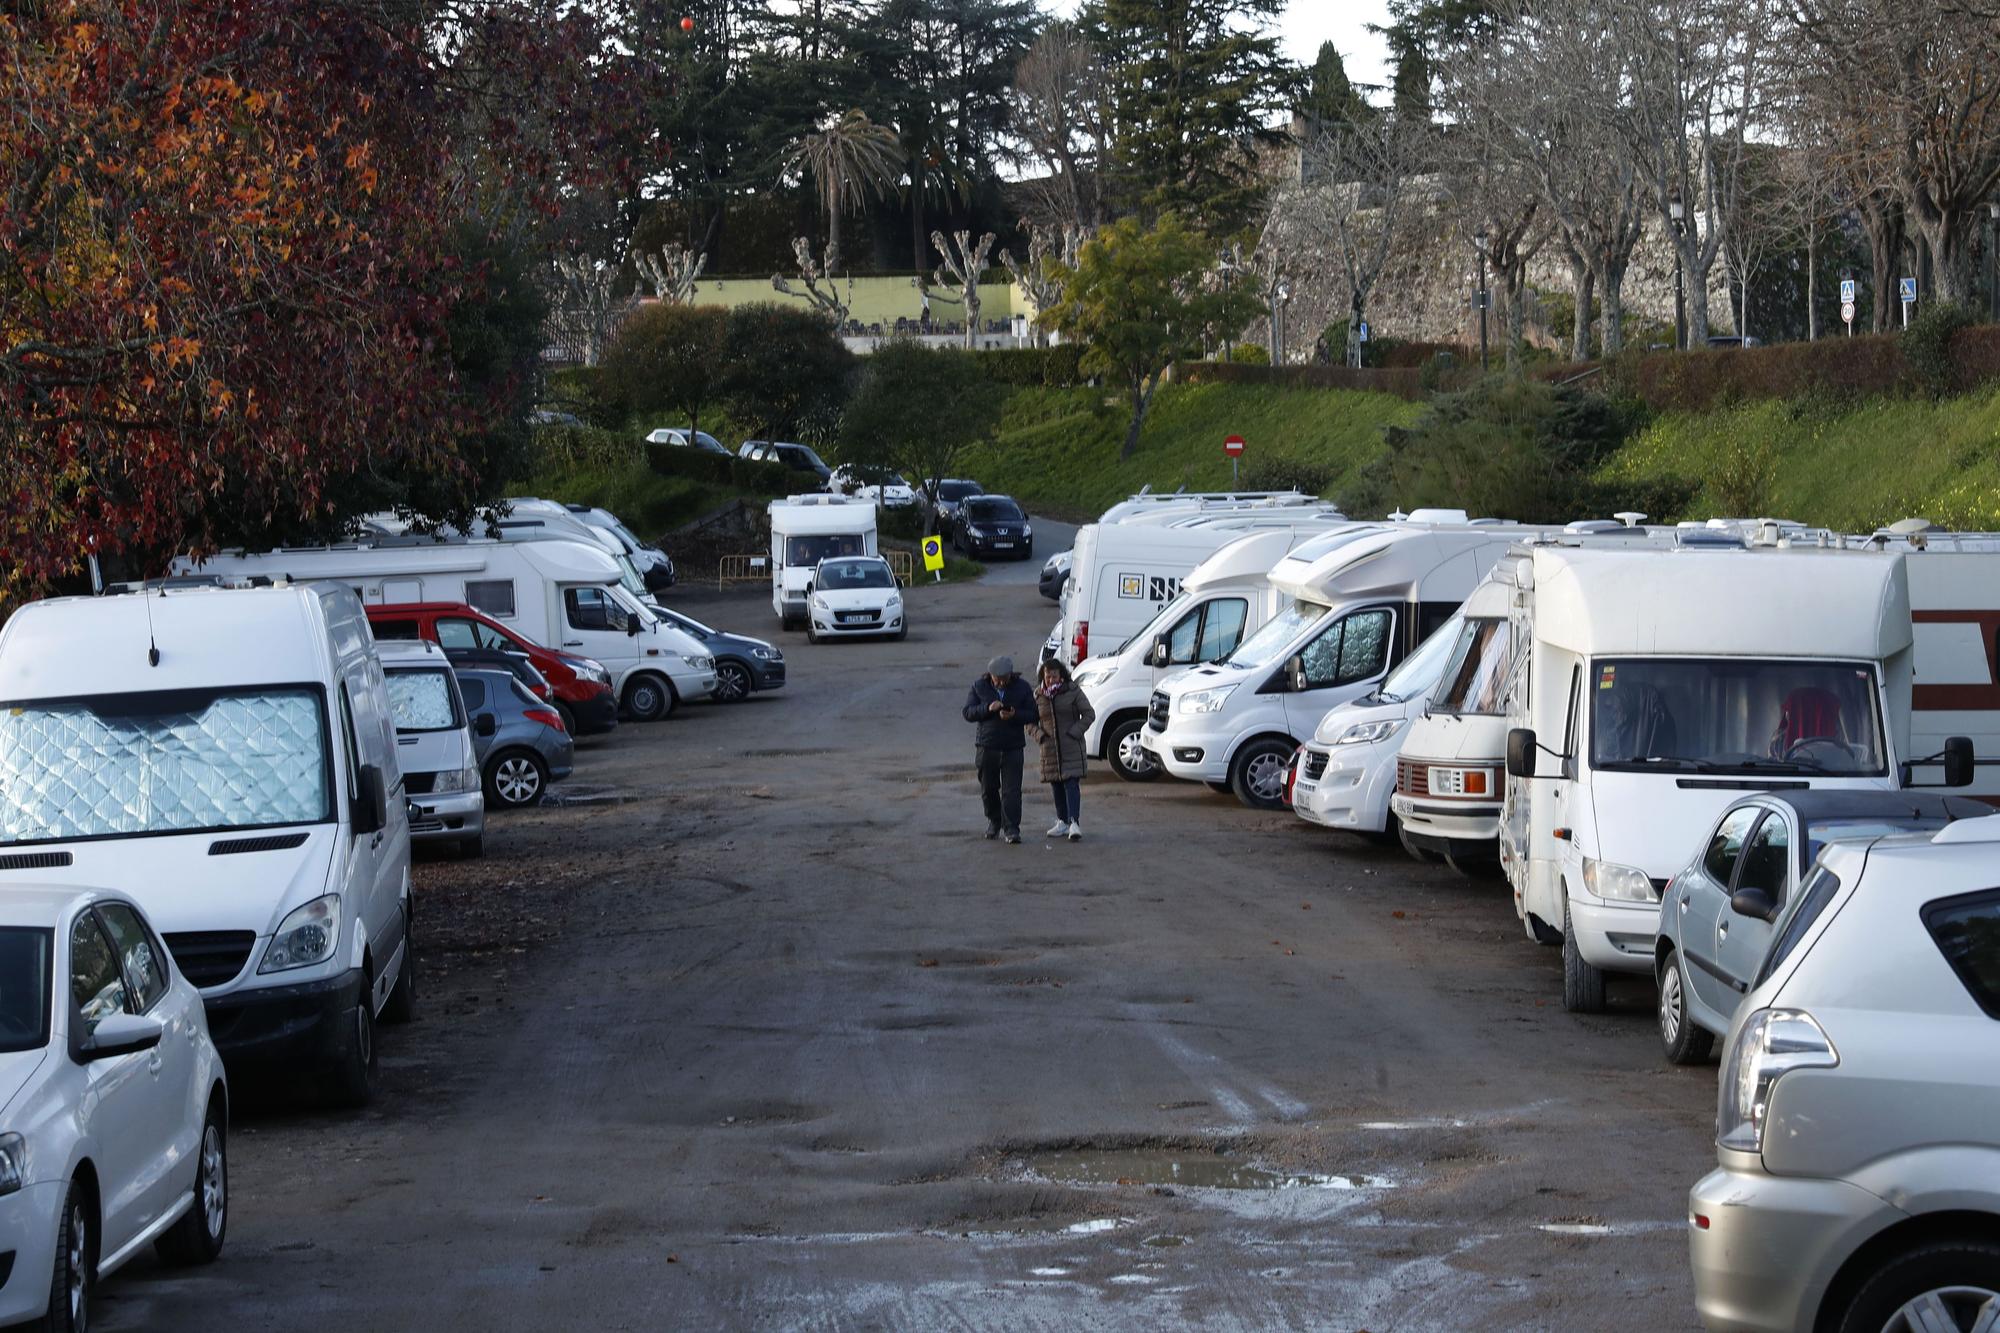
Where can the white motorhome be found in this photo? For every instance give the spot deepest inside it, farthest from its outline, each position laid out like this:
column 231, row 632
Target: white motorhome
column 1355, row 600
column 806, row 529
column 226, row 757
column 557, row 593
column 1146, row 501
column 1659, row 685
column 1224, row 598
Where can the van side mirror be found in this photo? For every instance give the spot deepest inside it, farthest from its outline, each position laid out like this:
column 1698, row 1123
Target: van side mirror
column 1958, row 761
column 485, row 727
column 632, row 626
column 371, row 801
column 122, row 1034
column 1158, row 655
column 1752, row 902
column 1521, row 752
column 1295, row 671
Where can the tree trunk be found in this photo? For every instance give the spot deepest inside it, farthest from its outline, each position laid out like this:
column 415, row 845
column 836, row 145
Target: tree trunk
column 1949, row 243
column 1582, row 283
column 1142, row 398
column 1356, row 317
column 832, row 241
column 1812, row 282
column 1694, row 281
column 1884, row 225
column 1517, row 317
column 1613, row 282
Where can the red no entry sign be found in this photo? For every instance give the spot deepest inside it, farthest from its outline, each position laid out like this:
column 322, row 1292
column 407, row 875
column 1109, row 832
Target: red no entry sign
column 1233, row 445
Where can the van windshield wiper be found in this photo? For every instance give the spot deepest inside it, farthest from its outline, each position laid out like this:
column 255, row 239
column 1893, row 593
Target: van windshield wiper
column 1668, row 762
column 1779, row 765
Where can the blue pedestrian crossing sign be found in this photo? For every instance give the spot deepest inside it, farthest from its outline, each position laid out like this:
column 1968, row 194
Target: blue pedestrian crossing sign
column 1847, row 287
column 1909, row 289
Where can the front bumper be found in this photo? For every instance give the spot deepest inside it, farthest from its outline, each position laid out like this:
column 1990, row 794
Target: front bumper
column 1351, row 793
column 1191, row 758
column 1618, row 937
column 1462, row 830
column 449, row 816
column 827, row 623
column 595, row 712
column 298, row 1025
column 766, row 674
column 1773, row 1244
column 692, row 685
column 28, row 1221
column 1012, row 548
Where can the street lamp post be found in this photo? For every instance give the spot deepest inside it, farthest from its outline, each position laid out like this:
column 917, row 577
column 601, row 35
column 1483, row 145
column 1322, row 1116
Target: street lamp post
column 1224, row 264
column 1284, row 299
column 1993, row 262
column 1677, row 215
column 1480, row 240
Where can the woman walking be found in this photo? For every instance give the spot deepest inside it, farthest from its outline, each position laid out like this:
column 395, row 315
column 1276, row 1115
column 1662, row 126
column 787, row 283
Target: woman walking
column 1062, row 716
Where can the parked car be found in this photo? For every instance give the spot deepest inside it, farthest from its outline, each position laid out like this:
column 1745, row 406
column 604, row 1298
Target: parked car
column 877, row 484
column 1857, row 1180
column 797, row 457
column 114, row 1108
column 1731, row 340
column 518, row 663
column 520, row 741
column 854, row 595
column 1055, row 573
column 655, row 566
column 434, row 747
column 581, row 685
column 1716, row 915
column 951, row 492
column 992, row 525
column 685, row 439
column 742, row 664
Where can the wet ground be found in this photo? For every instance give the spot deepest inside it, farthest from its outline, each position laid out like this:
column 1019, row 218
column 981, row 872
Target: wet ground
column 754, row 1030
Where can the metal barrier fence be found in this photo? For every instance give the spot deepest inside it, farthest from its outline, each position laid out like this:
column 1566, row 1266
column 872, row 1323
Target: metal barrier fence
column 757, row 568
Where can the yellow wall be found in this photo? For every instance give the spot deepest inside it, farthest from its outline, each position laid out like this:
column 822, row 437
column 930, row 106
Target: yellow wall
column 875, row 300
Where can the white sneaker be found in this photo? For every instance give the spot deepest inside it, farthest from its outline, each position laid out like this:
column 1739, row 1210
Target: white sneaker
column 1075, row 831
column 1057, row 829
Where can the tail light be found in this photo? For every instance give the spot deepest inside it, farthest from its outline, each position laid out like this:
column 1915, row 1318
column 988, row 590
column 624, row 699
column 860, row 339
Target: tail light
column 543, row 716
column 1292, row 773
column 1080, row 641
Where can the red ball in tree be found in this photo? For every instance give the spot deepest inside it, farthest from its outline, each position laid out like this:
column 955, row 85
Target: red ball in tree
column 687, row 23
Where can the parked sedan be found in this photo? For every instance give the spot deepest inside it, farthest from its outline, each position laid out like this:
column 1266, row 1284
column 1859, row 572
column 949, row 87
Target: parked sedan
column 993, row 525
column 688, row 439
column 520, row 741
column 1055, row 573
column 1857, row 1180
column 885, row 488
column 114, row 1108
column 1716, row 915
column 951, row 492
column 742, row 664
column 854, row 595
column 797, row 457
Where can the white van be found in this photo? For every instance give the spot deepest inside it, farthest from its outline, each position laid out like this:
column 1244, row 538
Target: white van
column 1659, row 686
column 557, row 593
column 226, row 757
column 434, row 746
column 1148, row 501
column 1355, row 600
column 806, row 529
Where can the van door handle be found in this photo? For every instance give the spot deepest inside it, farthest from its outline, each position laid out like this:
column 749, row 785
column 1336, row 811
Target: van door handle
column 1723, row 930
column 572, row 643
column 1684, row 902
column 153, row 1065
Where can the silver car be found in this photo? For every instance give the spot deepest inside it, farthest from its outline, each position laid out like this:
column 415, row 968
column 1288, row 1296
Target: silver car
column 520, row 739
column 1857, row 1184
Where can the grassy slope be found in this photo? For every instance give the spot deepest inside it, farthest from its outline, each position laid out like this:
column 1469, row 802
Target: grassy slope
column 1850, row 467
column 1058, row 449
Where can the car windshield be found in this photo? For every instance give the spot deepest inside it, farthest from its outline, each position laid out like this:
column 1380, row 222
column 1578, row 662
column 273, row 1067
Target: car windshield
column 807, row 551
column 957, row 490
column 840, row 575
column 162, row 761
column 420, row 700
column 1733, row 715
column 995, row 509
column 1421, row 669
column 1477, row 676
column 1272, row 637
column 24, row 987
column 805, row 452
column 688, row 623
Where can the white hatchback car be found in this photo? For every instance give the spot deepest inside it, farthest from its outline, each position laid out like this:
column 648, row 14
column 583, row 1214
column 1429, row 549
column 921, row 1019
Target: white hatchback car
column 113, row 1103
column 854, row 595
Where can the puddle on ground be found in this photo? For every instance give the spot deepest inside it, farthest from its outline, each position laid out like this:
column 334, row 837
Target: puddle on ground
column 1188, row 1170
column 1163, row 1242
column 576, row 793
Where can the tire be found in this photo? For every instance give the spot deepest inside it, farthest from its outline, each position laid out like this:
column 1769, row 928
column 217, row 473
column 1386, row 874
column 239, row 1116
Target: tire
column 472, row 849
column 1257, row 773
column 733, row 682
column 649, row 698
column 74, row 1273
column 197, row 1238
column 401, row 1006
column 812, row 635
column 568, row 718
column 516, row 779
column 1963, row 1276
column 1583, row 985
column 352, row 1082
column 1127, row 758
column 1681, row 1040
column 903, row 631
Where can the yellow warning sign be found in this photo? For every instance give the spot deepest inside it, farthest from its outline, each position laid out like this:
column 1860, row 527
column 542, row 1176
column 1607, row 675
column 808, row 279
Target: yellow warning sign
column 933, row 553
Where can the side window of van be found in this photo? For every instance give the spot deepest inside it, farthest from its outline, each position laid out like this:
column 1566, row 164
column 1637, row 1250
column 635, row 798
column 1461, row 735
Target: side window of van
column 1222, row 628
column 394, row 630
column 592, row 608
column 1181, row 638
column 1364, row 645
column 493, row 596
column 348, row 743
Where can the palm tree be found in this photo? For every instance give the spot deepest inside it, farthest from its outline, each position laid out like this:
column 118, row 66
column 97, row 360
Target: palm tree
column 848, row 159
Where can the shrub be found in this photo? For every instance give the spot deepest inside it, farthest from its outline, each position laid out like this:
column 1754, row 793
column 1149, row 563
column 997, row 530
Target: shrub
column 1927, row 346
column 905, row 524
column 669, row 358
column 1058, row 367
column 765, row 479
column 785, row 373
column 1402, row 383
column 1250, row 354
column 1287, row 474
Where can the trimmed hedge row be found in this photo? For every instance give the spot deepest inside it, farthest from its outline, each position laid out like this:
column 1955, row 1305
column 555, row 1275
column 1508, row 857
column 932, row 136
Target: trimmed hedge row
column 765, row 479
column 1058, row 367
column 1404, row 383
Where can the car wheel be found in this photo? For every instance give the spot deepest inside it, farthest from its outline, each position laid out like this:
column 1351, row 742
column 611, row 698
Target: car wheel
column 568, row 718
column 902, row 631
column 732, row 681
column 352, row 1082
column 1946, row 1284
column 1583, row 984
column 73, row 1273
column 1683, row 1041
column 1257, row 773
column 197, row 1237
column 401, row 1006
column 649, row 698
column 516, row 779
column 1129, row 759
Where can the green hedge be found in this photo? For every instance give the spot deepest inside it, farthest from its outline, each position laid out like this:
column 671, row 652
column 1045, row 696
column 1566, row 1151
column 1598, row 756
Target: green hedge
column 1058, row 367
column 1404, row 384
column 765, row 479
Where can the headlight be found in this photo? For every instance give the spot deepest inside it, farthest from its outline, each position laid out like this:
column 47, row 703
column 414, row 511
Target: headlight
column 453, row 780
column 895, row 599
column 1367, row 733
column 974, row 531
column 1772, row 1044
column 590, row 669
column 765, row 652
column 306, row 936
column 817, row 603
column 698, row 663
column 13, row 1163
column 1086, row 679
column 1206, row 701
column 1027, row 530
column 1616, row 883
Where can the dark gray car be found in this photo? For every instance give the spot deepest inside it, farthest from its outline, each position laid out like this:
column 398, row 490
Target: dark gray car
column 519, row 739
column 742, row 664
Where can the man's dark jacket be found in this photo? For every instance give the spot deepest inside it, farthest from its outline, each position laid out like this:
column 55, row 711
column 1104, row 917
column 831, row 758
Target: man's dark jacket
column 996, row 732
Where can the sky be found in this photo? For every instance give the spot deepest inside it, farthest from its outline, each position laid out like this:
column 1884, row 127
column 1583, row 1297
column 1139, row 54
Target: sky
column 1307, row 23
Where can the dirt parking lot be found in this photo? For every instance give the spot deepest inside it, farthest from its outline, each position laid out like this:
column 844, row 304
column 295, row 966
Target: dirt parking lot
column 755, row 1030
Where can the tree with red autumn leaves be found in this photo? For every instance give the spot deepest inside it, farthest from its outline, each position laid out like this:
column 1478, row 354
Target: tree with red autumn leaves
column 252, row 254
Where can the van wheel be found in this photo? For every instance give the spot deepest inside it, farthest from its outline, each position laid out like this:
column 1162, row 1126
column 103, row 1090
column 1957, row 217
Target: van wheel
column 812, row 635
column 74, row 1271
column 516, row 779
column 1683, row 1042
column 1257, row 773
column 648, row 698
column 352, row 1082
column 1129, row 759
column 1583, row 985
column 197, row 1237
column 1946, row 1284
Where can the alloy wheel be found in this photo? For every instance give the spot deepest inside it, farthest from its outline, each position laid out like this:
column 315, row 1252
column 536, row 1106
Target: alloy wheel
column 1672, row 1004
column 1266, row 776
column 79, row 1267
column 517, row 780
column 1132, row 755
column 1948, row 1310
column 214, row 1181
column 732, row 683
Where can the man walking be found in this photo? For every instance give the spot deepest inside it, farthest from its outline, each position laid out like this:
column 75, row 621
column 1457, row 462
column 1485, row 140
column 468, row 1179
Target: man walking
column 1001, row 704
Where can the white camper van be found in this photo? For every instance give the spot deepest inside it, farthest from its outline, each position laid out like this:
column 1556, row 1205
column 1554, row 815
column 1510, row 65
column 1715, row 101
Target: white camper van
column 806, row 529
column 1657, row 687
column 227, row 758
column 560, row 594
column 1354, row 601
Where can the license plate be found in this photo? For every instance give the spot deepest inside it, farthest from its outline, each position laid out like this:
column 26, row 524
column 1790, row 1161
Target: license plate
column 848, row 618
column 1003, row 546
column 1459, row 782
